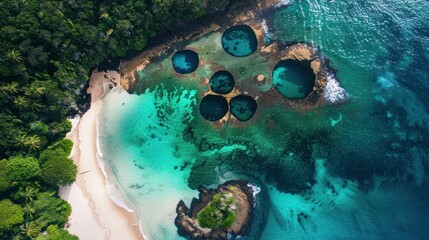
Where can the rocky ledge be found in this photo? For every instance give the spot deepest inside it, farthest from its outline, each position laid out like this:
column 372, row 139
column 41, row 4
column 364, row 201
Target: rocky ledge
column 188, row 220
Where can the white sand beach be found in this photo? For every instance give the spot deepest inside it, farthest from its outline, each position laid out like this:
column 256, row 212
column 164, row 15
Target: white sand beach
column 94, row 214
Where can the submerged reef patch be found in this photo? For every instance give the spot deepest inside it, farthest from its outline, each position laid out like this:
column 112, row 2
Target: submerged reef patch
column 222, row 82
column 213, row 107
column 185, row 61
column 293, row 79
column 243, row 107
column 239, row 41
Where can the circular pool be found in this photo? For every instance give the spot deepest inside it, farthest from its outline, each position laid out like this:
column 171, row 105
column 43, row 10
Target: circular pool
column 222, row 82
column 213, row 107
column 185, row 61
column 293, row 79
column 239, row 41
column 243, row 107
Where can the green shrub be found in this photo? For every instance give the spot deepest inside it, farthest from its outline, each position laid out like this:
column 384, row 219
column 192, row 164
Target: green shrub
column 219, row 213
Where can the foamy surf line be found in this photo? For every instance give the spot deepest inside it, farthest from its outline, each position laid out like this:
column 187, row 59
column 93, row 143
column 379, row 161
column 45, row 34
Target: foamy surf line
column 113, row 191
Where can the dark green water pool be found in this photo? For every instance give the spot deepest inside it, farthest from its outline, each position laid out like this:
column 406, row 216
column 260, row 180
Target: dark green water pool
column 239, row 41
column 185, row 61
column 243, row 107
column 293, row 79
column 222, row 82
column 213, row 107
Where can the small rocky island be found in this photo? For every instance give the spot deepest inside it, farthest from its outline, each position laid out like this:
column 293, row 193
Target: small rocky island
column 218, row 212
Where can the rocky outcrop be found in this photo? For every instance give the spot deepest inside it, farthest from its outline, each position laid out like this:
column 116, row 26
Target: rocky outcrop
column 221, row 15
column 189, row 228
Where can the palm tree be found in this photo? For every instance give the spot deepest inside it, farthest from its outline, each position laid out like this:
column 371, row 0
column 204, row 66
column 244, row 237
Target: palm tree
column 38, row 91
column 18, row 236
column 32, row 142
column 29, row 210
column 29, row 194
column 20, row 140
column 36, row 105
column 35, row 91
column 31, row 229
column 15, row 55
column 21, row 102
column 11, row 88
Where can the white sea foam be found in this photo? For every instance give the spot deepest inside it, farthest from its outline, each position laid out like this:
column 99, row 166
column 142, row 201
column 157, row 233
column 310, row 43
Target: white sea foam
column 282, row 3
column 112, row 190
column 256, row 189
column 117, row 197
column 333, row 92
column 265, row 26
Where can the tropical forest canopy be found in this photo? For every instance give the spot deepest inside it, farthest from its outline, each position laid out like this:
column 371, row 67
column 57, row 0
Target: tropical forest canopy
column 47, row 50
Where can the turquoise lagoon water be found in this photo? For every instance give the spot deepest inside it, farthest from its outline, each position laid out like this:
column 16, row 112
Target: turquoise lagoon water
column 357, row 170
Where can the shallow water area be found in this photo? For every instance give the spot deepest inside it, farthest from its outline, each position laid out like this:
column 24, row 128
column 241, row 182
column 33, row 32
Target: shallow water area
column 144, row 155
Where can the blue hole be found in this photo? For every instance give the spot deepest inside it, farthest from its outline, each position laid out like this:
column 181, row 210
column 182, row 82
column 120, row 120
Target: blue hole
column 243, row 107
column 213, row 107
column 222, row 82
column 239, row 41
column 185, row 61
column 293, row 79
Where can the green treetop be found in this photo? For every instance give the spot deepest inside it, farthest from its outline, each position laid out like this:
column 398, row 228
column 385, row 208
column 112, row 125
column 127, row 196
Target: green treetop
column 219, row 213
column 22, row 168
column 10, row 214
column 55, row 233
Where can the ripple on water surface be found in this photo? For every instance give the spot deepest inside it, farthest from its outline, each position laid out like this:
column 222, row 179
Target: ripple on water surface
column 185, row 61
column 293, row 79
column 239, row 41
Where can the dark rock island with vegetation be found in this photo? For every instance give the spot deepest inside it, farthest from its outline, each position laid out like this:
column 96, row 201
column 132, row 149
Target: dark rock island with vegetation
column 218, row 213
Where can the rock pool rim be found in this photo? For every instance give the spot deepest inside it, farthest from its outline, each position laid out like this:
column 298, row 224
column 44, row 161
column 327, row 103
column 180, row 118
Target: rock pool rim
column 216, row 76
column 213, row 107
column 304, row 65
column 249, row 100
column 191, row 56
column 250, row 33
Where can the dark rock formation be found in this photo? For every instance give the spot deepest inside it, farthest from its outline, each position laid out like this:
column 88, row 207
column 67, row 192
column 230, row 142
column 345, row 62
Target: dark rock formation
column 189, row 228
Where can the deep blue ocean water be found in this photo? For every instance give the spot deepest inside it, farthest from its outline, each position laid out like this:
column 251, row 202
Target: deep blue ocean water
column 371, row 181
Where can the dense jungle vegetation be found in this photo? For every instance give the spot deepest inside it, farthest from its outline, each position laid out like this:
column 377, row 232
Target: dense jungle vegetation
column 47, row 50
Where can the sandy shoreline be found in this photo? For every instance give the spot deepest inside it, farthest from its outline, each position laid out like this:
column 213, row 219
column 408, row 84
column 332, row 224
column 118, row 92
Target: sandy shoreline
column 94, row 214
